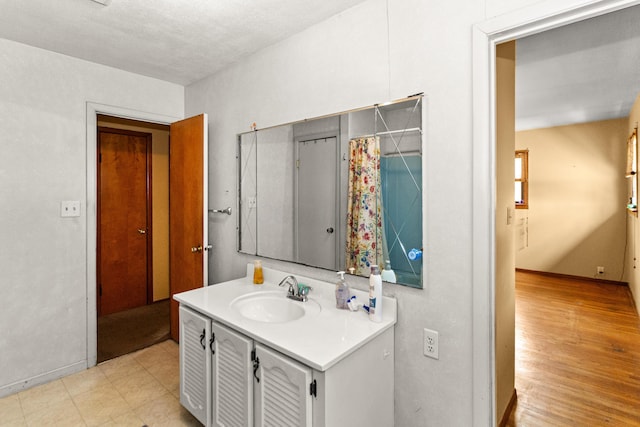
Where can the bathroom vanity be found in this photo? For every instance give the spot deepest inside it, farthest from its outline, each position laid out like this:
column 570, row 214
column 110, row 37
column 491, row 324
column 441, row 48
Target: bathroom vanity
column 250, row 356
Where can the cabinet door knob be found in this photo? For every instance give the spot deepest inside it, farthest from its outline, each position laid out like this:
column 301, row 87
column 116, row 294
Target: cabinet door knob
column 202, row 335
column 256, row 365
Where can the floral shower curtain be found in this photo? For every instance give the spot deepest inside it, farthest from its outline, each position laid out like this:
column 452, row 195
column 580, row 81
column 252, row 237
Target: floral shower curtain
column 364, row 212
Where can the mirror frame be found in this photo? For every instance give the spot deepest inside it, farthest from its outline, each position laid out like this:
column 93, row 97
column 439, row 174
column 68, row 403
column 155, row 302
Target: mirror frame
column 419, row 97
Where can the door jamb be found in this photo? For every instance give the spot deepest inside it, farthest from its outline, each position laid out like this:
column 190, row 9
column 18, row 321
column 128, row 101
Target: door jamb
column 486, row 35
column 92, row 111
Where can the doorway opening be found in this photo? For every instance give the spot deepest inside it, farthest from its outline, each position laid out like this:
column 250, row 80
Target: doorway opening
column 132, row 262
column 503, row 262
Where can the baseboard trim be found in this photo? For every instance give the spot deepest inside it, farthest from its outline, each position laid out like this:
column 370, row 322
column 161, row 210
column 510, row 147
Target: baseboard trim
column 18, row 386
column 570, row 276
column 507, row 412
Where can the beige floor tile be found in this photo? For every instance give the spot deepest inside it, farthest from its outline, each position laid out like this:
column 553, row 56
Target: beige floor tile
column 120, row 367
column 61, row 413
column 139, row 388
column 42, row 397
column 101, row 405
column 128, row 419
column 14, row 423
column 167, row 373
column 171, row 346
column 85, row 381
column 11, row 410
column 165, row 411
column 132, row 390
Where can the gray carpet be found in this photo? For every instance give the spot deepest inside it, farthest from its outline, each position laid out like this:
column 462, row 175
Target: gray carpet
column 131, row 330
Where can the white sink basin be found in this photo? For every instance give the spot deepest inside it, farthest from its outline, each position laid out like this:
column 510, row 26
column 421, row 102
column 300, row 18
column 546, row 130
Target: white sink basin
column 273, row 307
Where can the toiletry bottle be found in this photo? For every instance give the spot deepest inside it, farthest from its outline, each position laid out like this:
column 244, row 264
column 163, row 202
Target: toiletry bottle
column 375, row 295
column 258, row 278
column 342, row 292
column 388, row 275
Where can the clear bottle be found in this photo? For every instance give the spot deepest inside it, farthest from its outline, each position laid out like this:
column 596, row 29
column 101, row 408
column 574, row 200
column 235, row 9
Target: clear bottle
column 258, row 277
column 375, row 295
column 342, row 292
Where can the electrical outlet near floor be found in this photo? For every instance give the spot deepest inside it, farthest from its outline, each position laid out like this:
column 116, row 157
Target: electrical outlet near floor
column 430, row 340
column 600, row 270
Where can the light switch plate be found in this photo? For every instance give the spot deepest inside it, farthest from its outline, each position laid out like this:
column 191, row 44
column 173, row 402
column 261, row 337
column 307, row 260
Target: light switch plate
column 69, row 208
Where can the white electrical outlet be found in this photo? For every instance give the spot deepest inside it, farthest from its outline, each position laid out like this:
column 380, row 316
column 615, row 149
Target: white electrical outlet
column 430, row 340
column 600, row 270
column 69, row 208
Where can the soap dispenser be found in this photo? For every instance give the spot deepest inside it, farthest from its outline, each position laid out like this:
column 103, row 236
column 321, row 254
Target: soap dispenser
column 388, row 275
column 342, row 292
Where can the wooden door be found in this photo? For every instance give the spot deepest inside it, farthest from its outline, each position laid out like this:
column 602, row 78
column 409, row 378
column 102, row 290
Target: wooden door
column 188, row 206
column 123, row 231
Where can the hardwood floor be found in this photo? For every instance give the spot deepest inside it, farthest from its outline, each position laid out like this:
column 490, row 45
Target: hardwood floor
column 577, row 353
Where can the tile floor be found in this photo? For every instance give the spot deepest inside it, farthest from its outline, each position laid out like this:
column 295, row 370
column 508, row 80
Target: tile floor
column 137, row 389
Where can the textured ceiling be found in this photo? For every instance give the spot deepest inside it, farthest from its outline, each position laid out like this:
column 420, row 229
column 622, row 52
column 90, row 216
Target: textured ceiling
column 180, row 41
column 582, row 72
column 579, row 73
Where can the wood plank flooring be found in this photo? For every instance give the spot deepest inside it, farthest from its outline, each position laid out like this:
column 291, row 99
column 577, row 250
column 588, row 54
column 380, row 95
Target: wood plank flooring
column 577, row 353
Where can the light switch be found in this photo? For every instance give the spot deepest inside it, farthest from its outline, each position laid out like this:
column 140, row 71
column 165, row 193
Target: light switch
column 69, row 208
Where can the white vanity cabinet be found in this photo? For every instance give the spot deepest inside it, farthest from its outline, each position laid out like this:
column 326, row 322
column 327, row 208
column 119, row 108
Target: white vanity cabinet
column 325, row 368
column 239, row 378
column 231, row 378
column 283, row 390
column 228, row 379
column 195, row 363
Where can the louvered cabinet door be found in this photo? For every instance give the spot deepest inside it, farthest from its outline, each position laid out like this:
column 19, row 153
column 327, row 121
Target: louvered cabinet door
column 231, row 375
column 282, row 397
column 195, row 363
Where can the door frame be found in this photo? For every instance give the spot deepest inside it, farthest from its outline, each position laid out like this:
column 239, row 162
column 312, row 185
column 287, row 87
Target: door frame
column 92, row 111
column 526, row 21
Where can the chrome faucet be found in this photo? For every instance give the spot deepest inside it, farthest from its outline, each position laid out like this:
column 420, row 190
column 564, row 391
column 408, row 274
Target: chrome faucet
column 295, row 292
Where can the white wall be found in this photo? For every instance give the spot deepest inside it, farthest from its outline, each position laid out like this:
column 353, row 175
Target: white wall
column 577, row 199
column 347, row 62
column 43, row 271
column 352, row 60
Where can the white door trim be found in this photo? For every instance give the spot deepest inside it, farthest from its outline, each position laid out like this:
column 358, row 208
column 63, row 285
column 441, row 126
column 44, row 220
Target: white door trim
column 93, row 109
column 536, row 18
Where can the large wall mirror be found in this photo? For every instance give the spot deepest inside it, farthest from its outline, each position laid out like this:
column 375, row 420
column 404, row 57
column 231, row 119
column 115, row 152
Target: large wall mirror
column 340, row 192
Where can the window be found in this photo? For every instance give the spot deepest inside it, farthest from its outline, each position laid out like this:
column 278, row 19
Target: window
column 632, row 170
column 522, row 179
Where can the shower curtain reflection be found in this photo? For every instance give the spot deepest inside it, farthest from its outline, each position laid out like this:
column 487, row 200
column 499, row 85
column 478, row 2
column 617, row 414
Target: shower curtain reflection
column 364, row 246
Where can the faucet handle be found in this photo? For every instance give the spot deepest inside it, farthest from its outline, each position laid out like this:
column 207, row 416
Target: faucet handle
column 303, row 290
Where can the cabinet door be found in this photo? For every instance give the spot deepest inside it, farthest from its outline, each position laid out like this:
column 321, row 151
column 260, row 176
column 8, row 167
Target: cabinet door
column 195, row 363
column 232, row 395
column 281, row 390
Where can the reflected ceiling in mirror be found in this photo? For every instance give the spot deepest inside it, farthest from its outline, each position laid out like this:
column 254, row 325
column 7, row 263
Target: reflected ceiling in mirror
column 341, row 192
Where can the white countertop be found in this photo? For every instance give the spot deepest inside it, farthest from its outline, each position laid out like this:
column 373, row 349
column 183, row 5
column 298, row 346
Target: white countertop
column 317, row 340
